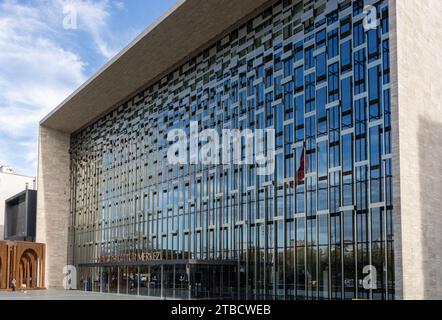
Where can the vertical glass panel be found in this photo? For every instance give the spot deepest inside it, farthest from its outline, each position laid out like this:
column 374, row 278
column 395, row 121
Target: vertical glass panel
column 300, row 259
column 386, row 61
column 373, row 44
column 334, row 137
column 335, row 257
column 347, row 103
column 335, row 191
column 361, row 188
column 346, row 56
column 310, row 93
column 299, row 50
column 358, row 34
column 321, row 68
column 374, row 93
column 384, row 20
column 299, row 129
column 387, row 122
column 333, row 82
column 311, row 196
column 359, row 71
column 289, row 260
column 378, row 251
column 322, row 159
column 309, row 61
column 347, row 169
column 345, row 27
column 332, row 46
column 376, row 164
column 321, row 104
column 320, row 39
column 361, row 130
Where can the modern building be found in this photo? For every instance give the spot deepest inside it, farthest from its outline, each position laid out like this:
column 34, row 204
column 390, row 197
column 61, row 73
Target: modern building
column 20, row 216
column 351, row 89
column 11, row 183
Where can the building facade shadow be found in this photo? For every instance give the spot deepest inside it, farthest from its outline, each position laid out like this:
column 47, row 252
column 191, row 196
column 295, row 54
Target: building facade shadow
column 430, row 167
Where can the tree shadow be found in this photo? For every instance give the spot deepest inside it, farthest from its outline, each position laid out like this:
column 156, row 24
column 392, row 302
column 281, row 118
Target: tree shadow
column 430, row 180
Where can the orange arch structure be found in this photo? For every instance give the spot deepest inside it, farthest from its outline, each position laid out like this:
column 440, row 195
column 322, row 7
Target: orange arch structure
column 24, row 262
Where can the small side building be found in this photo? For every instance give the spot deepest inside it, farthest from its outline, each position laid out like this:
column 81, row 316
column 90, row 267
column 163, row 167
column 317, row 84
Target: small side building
column 21, row 258
column 11, row 183
column 20, row 216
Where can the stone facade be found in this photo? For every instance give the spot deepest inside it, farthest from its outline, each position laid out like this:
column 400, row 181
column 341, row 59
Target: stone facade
column 53, row 202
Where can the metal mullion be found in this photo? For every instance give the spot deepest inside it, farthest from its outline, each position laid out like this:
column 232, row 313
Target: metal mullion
column 341, row 190
column 247, row 241
column 354, row 184
column 384, row 234
column 284, row 238
column 384, row 184
column 317, row 200
column 369, row 209
column 126, row 188
column 98, row 210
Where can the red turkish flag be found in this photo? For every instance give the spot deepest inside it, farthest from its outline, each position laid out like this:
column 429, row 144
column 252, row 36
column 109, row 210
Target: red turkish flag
column 303, row 165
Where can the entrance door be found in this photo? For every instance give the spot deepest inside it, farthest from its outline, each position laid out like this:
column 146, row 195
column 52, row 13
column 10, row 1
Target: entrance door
column 181, row 283
column 96, row 279
column 105, row 280
column 144, row 279
column 133, row 281
column 168, row 281
column 113, row 280
column 123, row 279
column 84, row 280
column 199, row 278
column 154, row 279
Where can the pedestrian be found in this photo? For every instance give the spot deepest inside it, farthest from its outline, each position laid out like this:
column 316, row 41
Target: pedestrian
column 13, row 283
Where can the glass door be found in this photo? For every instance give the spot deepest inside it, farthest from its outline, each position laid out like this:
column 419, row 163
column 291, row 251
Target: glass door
column 113, row 280
column 105, row 280
column 181, row 283
column 133, row 280
column 154, row 279
column 123, row 280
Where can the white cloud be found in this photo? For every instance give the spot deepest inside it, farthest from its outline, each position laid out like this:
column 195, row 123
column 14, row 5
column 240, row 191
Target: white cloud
column 92, row 17
column 40, row 65
column 37, row 72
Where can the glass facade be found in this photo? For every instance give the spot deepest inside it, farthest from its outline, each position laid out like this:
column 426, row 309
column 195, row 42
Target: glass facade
column 312, row 72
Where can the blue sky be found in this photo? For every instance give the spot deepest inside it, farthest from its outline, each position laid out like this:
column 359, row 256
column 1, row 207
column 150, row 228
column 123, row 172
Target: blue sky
column 48, row 48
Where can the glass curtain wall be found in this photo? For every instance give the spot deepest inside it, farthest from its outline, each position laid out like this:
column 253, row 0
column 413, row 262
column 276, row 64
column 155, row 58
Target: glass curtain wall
column 309, row 230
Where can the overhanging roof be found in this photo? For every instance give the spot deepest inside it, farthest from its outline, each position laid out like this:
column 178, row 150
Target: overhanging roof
column 187, row 28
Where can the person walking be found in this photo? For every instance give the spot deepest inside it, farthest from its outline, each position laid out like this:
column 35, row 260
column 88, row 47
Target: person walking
column 13, row 284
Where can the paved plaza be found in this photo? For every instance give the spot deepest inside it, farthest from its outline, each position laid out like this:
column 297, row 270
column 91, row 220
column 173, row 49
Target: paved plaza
column 66, row 295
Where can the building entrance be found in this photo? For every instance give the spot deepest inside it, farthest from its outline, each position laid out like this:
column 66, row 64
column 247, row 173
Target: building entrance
column 166, row 281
